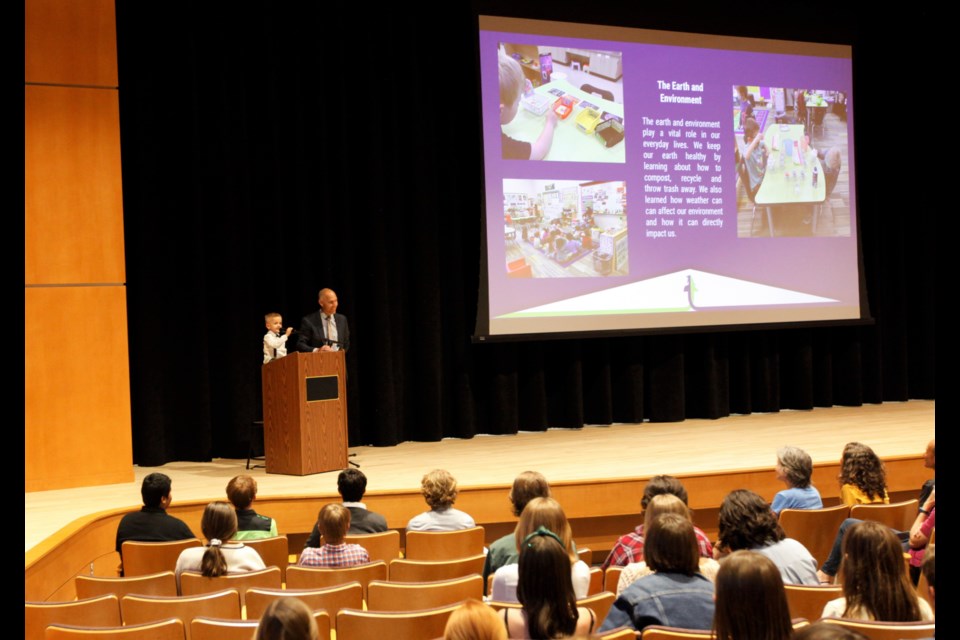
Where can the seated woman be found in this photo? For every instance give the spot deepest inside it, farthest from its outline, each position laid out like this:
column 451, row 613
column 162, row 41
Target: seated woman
column 746, row 522
column 676, row 594
column 875, row 585
column 439, row 489
column 287, row 619
column 548, row 514
column 794, row 468
column 546, row 592
column 863, row 479
column 222, row 554
column 659, row 505
column 751, row 600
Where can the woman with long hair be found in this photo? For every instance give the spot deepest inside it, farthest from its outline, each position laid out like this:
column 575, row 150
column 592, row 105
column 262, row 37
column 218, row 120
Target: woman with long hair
column 545, row 591
column 676, row 594
column 747, row 523
column 658, row 506
column 875, row 581
column 222, row 554
column 751, row 601
column 548, row 514
column 863, row 478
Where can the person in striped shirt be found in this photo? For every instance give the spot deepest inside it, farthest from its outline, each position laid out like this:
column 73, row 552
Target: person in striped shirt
column 334, row 522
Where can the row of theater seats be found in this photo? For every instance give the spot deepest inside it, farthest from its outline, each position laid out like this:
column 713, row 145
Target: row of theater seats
column 334, row 590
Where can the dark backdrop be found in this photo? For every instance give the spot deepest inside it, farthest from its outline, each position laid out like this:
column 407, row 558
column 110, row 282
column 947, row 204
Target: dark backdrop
column 269, row 152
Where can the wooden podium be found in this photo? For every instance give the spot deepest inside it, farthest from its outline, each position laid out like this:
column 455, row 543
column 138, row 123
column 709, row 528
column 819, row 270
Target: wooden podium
column 305, row 413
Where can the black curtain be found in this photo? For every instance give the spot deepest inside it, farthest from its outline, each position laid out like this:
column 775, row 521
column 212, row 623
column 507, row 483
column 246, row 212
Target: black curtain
column 269, row 151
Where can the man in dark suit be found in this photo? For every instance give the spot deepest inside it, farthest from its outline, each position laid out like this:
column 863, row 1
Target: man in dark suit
column 324, row 330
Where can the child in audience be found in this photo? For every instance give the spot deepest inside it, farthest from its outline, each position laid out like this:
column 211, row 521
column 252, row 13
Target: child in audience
column 511, row 88
column 863, row 478
column 439, row 489
column 794, row 468
column 242, row 491
column 875, row 585
column 474, row 620
column 275, row 342
column 751, row 601
column 223, row 554
column 334, row 522
column 287, row 619
column 545, row 591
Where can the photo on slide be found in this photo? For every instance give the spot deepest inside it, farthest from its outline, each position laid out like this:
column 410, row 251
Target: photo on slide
column 559, row 103
column 792, row 159
column 565, row 228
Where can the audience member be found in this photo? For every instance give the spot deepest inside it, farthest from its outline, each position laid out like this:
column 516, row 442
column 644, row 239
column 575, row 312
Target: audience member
column 474, row 620
column 676, row 594
column 875, row 584
column 352, row 484
column 751, row 600
column 863, row 479
column 152, row 523
column 930, row 573
column 746, row 522
column 920, row 534
column 242, row 491
column 222, row 553
column 439, row 489
column 540, row 513
column 659, row 505
column 334, row 522
column 503, row 551
column 287, row 619
column 545, row 591
column 629, row 548
column 794, row 468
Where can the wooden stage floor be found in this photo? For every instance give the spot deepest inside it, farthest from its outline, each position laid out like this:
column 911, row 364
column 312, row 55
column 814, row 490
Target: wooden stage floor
column 620, row 451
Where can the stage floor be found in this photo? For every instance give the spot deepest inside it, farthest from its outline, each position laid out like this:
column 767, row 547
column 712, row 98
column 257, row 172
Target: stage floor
column 594, row 452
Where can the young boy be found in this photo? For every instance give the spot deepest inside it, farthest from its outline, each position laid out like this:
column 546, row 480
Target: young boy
column 511, row 87
column 275, row 344
column 334, row 522
column 242, row 491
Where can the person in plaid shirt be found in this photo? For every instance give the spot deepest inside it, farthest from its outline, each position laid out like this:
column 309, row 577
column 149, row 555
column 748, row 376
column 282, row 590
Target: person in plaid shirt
column 629, row 548
column 334, row 522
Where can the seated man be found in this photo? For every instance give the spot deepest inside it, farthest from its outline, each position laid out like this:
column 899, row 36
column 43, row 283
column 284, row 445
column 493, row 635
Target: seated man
column 352, row 484
column 334, row 521
column 242, row 491
column 629, row 548
column 152, row 523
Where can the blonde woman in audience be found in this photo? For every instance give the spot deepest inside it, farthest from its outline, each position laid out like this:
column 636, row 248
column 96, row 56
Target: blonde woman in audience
column 543, row 513
column 546, row 592
column 222, row 554
column 751, row 601
column 876, row 585
column 659, row 505
column 439, row 489
column 474, row 621
column 287, row 619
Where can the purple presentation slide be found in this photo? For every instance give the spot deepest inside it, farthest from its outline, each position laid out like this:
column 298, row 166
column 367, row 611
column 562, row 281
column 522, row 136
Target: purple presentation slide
column 642, row 184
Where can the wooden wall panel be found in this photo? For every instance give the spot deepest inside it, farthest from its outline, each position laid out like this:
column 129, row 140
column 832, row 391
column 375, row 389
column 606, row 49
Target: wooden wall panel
column 77, row 388
column 72, row 42
column 73, row 208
